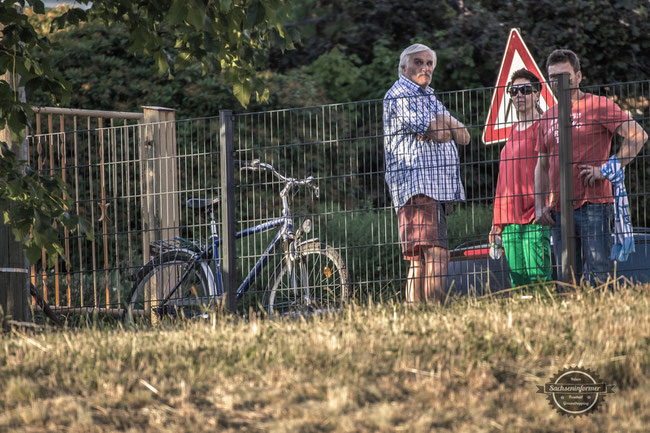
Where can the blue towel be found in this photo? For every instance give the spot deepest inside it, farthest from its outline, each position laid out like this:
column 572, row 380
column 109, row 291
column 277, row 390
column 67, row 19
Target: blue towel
column 624, row 238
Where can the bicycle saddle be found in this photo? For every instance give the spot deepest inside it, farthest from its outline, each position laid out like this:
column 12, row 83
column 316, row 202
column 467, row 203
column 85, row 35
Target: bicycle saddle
column 202, row 203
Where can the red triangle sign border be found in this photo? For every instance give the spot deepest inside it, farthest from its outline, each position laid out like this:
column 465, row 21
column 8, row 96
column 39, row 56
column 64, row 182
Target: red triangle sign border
column 497, row 130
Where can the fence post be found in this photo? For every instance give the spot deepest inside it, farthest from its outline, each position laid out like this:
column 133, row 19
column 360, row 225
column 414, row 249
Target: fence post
column 160, row 201
column 228, row 266
column 566, row 179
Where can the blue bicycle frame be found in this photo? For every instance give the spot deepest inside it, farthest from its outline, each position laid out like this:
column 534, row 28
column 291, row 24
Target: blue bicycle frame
column 212, row 253
column 285, row 233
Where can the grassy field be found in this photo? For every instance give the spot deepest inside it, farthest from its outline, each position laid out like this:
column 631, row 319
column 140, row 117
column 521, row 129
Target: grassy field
column 470, row 366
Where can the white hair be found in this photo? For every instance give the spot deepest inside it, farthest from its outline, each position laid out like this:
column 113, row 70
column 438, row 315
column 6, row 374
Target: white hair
column 406, row 56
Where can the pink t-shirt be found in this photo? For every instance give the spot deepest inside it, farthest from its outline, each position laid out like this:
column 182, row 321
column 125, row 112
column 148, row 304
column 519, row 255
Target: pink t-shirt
column 514, row 201
column 594, row 121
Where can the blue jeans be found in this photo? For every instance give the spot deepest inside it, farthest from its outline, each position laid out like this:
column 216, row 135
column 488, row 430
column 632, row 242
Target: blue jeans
column 593, row 230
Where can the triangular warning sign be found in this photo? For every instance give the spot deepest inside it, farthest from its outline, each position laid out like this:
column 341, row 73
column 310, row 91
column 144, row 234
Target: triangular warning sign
column 502, row 115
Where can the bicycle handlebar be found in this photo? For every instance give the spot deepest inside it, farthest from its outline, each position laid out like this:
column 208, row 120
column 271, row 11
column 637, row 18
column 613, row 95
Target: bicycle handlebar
column 257, row 165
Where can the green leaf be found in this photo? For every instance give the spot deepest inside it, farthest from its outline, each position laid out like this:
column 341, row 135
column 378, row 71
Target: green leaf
column 252, row 14
column 86, row 228
column 183, row 60
column 33, row 252
column 242, row 92
column 38, row 6
column 195, row 16
column 161, row 61
column 264, row 97
column 178, row 11
column 225, row 5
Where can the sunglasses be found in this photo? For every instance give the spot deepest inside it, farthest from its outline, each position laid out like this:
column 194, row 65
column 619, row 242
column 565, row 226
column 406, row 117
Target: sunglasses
column 524, row 89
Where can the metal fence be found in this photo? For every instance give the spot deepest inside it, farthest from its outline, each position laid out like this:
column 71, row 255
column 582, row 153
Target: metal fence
column 131, row 178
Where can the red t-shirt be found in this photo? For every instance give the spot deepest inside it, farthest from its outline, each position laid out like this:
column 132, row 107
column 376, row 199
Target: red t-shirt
column 594, row 120
column 514, row 201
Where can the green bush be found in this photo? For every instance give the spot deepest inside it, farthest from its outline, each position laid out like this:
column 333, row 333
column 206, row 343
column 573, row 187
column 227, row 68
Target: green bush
column 347, row 78
column 338, row 73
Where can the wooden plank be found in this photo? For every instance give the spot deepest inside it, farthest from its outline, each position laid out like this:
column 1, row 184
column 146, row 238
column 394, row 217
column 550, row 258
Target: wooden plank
column 160, row 203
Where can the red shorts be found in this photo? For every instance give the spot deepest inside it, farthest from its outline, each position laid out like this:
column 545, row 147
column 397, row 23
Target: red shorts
column 422, row 223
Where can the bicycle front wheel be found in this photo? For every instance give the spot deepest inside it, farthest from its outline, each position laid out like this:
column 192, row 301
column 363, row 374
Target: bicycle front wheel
column 321, row 283
column 159, row 277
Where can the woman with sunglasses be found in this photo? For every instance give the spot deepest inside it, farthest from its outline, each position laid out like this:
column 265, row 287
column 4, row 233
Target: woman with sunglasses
column 526, row 245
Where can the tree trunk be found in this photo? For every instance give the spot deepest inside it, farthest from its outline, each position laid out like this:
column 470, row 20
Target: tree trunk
column 14, row 277
column 14, row 268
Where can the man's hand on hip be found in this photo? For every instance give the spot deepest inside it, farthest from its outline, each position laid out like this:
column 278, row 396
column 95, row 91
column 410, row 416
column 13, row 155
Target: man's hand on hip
column 590, row 174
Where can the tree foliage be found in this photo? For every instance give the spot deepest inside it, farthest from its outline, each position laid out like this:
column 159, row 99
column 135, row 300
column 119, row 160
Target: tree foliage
column 22, row 55
column 31, row 203
column 96, row 61
column 230, row 36
column 227, row 36
column 612, row 38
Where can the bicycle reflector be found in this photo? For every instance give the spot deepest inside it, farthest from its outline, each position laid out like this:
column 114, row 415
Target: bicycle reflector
column 327, row 271
column 306, row 226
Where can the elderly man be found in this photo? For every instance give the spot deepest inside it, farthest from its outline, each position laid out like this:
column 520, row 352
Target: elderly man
column 422, row 171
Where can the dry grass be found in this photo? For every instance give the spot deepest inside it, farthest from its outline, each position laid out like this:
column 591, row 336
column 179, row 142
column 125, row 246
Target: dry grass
column 471, row 366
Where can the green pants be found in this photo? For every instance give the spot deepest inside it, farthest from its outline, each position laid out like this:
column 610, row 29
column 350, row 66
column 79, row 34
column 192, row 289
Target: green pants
column 528, row 252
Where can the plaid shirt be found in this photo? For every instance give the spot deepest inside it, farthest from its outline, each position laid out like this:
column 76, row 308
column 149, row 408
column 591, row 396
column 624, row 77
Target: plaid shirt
column 415, row 166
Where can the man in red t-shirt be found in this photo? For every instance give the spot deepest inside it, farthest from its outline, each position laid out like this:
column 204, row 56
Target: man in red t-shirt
column 595, row 120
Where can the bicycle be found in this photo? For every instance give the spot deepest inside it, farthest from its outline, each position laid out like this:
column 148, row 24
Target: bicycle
column 186, row 276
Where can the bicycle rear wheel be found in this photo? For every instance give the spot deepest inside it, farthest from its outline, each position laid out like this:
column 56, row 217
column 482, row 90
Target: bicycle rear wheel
column 322, row 283
column 158, row 277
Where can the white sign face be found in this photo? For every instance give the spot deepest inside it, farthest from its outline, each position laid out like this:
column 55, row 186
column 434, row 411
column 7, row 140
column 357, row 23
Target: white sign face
column 502, row 116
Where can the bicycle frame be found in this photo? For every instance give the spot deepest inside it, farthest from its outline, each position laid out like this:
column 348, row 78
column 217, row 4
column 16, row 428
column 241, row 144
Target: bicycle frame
column 211, row 253
column 285, row 233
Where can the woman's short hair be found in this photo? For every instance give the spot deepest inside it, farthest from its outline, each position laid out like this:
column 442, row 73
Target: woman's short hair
column 525, row 74
column 406, row 55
